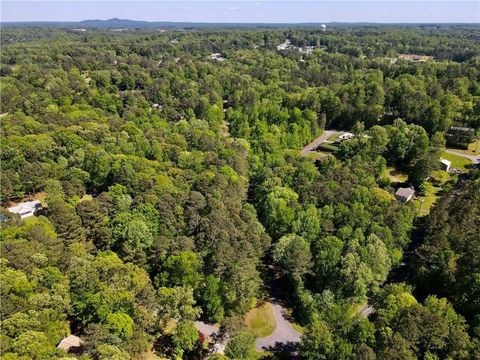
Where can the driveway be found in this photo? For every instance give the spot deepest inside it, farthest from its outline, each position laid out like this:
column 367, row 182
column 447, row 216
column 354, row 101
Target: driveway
column 316, row 143
column 205, row 329
column 283, row 334
column 474, row 159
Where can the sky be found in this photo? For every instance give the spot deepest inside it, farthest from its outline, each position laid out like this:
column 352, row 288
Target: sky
column 263, row 11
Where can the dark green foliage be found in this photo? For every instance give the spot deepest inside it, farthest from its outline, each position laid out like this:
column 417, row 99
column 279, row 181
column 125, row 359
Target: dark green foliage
column 447, row 262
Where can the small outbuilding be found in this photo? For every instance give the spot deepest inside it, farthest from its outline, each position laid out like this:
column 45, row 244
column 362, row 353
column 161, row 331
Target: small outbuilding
column 26, row 209
column 405, row 194
column 70, row 343
column 346, row 136
column 445, row 164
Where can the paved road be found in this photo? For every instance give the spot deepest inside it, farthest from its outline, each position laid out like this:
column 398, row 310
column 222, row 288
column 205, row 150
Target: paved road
column 316, row 143
column 284, row 333
column 472, row 158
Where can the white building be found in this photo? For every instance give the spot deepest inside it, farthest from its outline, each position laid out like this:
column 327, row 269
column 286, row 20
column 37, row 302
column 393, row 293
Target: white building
column 324, row 27
column 217, row 57
column 346, row 136
column 70, row 342
column 445, row 164
column 26, row 209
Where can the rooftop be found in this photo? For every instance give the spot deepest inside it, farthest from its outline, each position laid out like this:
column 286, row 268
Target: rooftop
column 405, row 192
column 25, row 207
column 69, row 342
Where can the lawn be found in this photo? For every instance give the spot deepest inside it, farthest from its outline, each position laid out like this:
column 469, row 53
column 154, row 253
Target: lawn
column 395, row 176
column 334, row 136
column 315, row 155
column 327, row 147
column 261, row 320
column 457, row 161
column 470, row 150
column 424, row 203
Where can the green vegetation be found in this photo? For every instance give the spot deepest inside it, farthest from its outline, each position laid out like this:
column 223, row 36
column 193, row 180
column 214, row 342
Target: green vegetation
column 334, row 136
column 458, row 162
column 424, row 202
column 472, row 149
column 394, row 175
column 156, row 215
column 328, row 147
column 260, row 320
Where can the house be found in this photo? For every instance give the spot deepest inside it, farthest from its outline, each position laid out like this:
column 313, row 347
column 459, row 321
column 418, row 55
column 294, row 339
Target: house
column 445, row 164
column 217, row 57
column 404, row 194
column 26, row 209
column 70, row 343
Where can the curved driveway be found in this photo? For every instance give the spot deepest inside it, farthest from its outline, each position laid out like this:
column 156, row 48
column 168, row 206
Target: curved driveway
column 284, row 333
column 316, row 143
column 474, row 159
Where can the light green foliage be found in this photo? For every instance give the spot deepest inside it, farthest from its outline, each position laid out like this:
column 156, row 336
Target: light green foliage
column 317, row 343
column 177, row 303
column 292, row 253
column 212, row 304
column 111, row 352
column 182, row 269
column 241, row 347
column 185, row 337
column 280, row 207
column 120, row 324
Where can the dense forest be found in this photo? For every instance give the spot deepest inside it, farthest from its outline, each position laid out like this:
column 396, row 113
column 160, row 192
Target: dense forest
column 169, row 170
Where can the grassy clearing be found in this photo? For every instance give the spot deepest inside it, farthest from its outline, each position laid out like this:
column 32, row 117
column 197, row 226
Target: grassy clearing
column 424, row 203
column 261, row 320
column 334, row 136
column 395, row 176
column 457, row 161
column 328, row 147
column 441, row 176
column 315, row 155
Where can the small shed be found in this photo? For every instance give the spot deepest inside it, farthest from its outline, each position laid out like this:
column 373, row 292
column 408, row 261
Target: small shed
column 445, row 164
column 70, row 343
column 404, row 194
column 26, row 209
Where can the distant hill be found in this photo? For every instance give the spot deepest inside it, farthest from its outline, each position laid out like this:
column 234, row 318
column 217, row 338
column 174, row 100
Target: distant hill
column 116, row 23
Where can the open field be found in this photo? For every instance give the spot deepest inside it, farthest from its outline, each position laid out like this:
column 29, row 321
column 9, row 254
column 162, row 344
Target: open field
column 394, row 175
column 424, row 203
